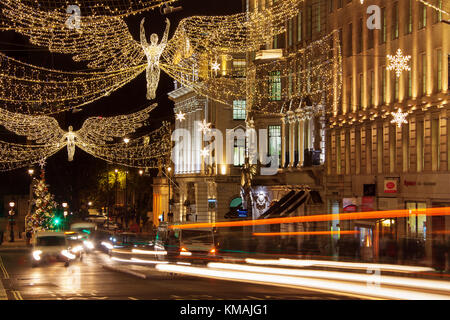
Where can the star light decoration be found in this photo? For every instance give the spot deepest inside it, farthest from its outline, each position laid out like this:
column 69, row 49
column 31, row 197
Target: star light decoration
column 204, row 127
column 398, row 63
column 204, row 152
column 215, row 66
column 42, row 163
column 180, row 116
column 399, row 117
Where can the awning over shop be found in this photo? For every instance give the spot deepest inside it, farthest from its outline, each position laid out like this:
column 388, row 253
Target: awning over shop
column 277, row 205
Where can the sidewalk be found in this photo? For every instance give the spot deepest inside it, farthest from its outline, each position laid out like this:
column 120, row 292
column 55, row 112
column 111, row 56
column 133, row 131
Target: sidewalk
column 17, row 244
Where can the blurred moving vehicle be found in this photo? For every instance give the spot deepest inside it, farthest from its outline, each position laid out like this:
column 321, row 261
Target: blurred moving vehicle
column 80, row 239
column 84, row 227
column 193, row 245
column 124, row 240
column 49, row 246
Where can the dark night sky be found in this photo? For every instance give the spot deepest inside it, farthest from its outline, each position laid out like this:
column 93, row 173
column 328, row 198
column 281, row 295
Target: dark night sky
column 67, row 178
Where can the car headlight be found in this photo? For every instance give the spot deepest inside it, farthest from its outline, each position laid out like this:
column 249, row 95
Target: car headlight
column 107, row 245
column 37, row 255
column 89, row 244
column 67, row 254
column 77, row 249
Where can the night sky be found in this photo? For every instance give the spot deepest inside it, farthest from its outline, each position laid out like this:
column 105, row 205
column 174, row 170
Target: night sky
column 66, row 179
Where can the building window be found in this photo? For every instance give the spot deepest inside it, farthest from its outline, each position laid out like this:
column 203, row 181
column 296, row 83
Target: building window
column 409, row 84
column 396, row 88
column 299, row 27
column 239, row 68
column 360, row 36
column 372, row 88
column 290, row 85
column 317, row 17
column 405, row 147
column 338, row 153
column 422, row 16
column 239, row 152
column 416, row 223
column 361, row 91
column 380, row 149
column 350, row 40
column 309, row 22
column 239, row 110
column 383, row 84
column 435, row 144
column 275, row 42
column 409, row 20
column 370, row 40
column 290, row 30
column 395, row 21
column 424, row 73
column 439, row 70
column 383, row 26
column 420, row 146
column 330, row 6
column 339, row 4
column 437, row 16
column 350, row 95
column 275, row 142
column 392, row 148
column 275, row 85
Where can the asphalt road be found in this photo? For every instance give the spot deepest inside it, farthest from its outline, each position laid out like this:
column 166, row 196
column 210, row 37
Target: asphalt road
column 89, row 280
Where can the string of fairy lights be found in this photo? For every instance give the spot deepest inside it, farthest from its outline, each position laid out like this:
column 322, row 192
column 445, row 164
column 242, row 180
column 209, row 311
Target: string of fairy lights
column 29, row 89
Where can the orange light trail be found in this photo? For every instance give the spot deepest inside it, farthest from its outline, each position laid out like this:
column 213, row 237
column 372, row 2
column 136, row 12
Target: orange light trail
column 322, row 217
column 303, row 233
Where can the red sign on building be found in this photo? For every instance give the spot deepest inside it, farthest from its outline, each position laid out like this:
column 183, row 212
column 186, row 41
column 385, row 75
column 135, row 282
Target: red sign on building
column 390, row 186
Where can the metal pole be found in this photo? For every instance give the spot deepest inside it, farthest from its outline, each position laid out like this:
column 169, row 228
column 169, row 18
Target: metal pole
column 126, row 198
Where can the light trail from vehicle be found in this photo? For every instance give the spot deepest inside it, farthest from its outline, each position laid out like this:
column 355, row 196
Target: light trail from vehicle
column 337, row 264
column 389, row 214
column 330, row 286
column 303, row 233
column 346, row 276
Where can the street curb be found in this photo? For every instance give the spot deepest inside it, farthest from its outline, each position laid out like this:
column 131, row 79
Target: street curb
column 133, row 273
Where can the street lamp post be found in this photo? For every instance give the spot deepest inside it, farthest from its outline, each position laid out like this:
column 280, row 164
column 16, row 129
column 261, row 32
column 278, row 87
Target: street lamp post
column 11, row 220
column 116, row 171
column 169, row 169
column 30, row 204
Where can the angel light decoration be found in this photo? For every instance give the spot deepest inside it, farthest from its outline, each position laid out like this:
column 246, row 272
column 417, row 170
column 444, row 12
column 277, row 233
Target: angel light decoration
column 153, row 51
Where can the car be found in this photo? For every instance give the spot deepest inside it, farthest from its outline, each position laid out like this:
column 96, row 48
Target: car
column 79, row 242
column 49, row 246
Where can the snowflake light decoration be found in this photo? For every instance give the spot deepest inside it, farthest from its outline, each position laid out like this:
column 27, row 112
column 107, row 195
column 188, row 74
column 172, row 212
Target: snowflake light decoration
column 205, row 127
column 215, row 66
column 204, row 152
column 399, row 117
column 42, row 163
column 181, row 116
column 398, row 63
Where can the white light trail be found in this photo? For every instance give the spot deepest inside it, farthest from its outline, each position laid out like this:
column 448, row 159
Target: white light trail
column 304, row 283
column 337, row 264
column 345, row 276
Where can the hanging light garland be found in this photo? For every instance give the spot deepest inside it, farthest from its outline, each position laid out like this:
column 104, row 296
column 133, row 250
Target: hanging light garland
column 105, row 10
column 29, row 89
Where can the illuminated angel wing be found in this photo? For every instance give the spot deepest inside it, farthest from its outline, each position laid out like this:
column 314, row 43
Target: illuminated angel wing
column 103, row 42
column 42, row 129
column 97, row 130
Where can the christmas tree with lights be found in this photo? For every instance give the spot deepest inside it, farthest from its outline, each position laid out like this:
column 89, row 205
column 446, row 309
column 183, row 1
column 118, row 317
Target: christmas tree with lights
column 42, row 216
